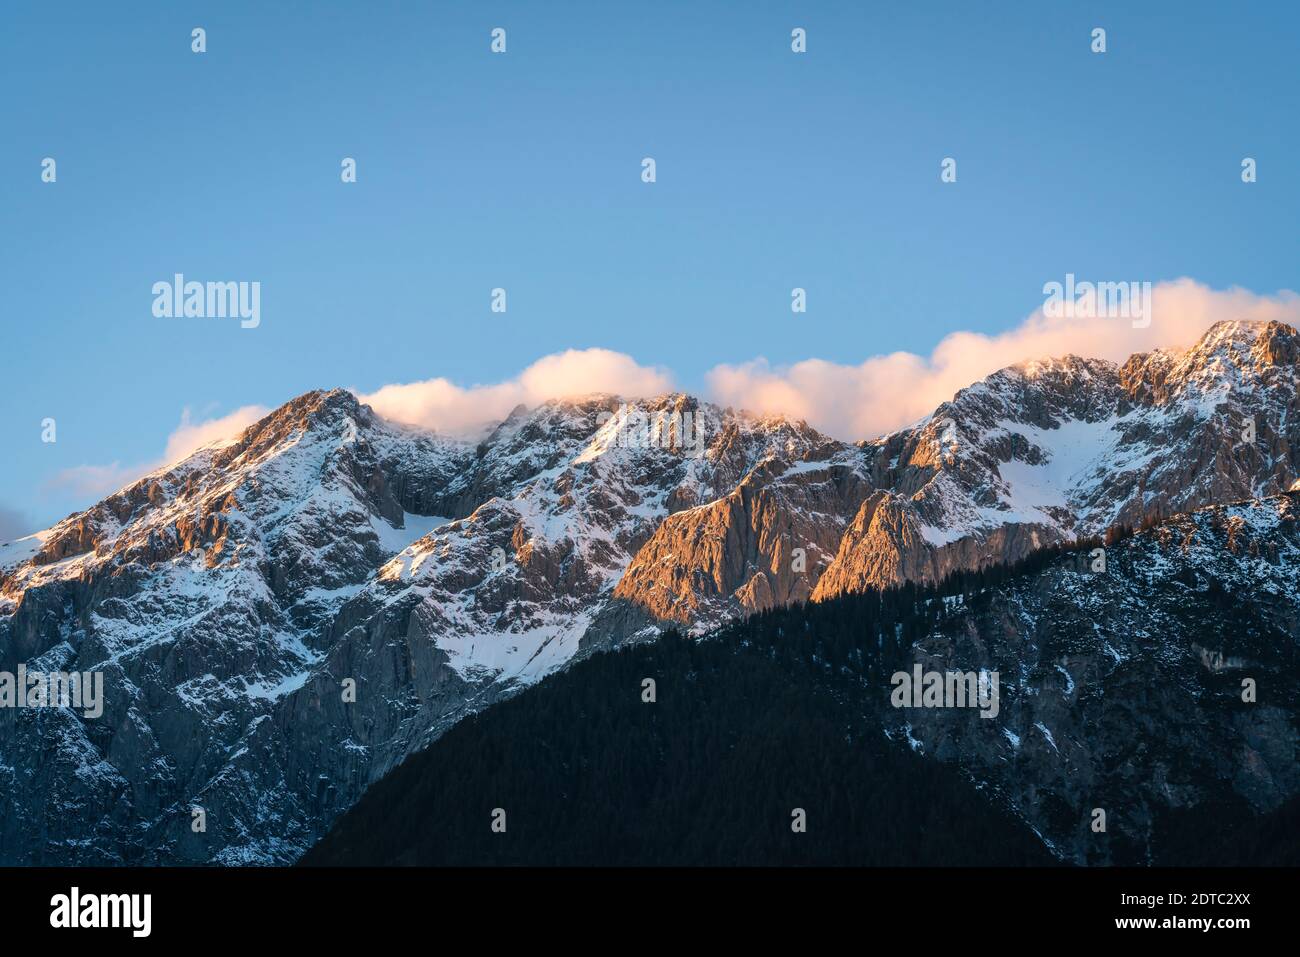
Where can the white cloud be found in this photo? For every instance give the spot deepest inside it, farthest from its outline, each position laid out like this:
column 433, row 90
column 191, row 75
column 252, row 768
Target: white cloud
column 101, row 480
column 887, row 392
column 190, row 435
column 97, row 480
column 443, row 405
column 882, row 393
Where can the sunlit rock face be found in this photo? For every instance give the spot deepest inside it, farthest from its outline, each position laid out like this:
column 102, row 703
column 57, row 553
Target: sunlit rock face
column 282, row 618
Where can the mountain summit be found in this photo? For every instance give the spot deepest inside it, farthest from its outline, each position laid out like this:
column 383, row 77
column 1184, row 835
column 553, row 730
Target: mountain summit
column 283, row 618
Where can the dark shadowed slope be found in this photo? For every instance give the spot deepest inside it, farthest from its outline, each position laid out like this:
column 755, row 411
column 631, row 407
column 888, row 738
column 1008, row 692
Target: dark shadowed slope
column 1120, row 689
column 709, row 774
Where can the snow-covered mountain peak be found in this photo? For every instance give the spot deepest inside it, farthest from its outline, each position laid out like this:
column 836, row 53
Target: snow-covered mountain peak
column 1240, row 355
column 228, row 596
column 1242, row 335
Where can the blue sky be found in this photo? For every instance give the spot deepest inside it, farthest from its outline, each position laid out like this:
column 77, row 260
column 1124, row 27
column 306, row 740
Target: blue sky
column 522, row 171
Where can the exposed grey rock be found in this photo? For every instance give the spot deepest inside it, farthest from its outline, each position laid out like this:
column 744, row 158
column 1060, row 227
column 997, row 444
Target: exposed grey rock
column 1123, row 690
column 229, row 597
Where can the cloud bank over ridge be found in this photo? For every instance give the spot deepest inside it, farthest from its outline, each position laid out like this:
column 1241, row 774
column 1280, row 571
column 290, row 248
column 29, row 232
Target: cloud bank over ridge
column 862, row 401
column 888, row 392
column 442, row 405
column 876, row 396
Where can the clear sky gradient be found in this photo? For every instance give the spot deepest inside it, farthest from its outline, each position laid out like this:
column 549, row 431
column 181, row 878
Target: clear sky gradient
column 522, row 171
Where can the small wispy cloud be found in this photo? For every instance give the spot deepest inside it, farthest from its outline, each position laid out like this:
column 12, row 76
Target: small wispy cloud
column 96, row 480
column 190, row 435
column 100, row 480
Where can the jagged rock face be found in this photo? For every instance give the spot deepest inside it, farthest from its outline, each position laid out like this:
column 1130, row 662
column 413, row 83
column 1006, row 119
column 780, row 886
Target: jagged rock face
column 1123, row 689
column 537, row 564
column 1225, row 410
column 495, row 601
column 232, row 598
column 737, row 554
column 229, row 599
column 1047, row 452
column 201, row 592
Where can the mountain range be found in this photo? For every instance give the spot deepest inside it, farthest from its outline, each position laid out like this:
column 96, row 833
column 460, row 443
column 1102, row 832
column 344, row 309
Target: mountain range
column 283, row 618
column 1120, row 694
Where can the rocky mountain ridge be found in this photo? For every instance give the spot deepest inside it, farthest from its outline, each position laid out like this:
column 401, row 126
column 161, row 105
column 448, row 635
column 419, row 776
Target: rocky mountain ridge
column 1144, row 713
column 231, row 598
column 1159, row 685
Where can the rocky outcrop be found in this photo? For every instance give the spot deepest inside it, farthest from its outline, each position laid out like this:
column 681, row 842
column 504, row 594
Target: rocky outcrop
column 203, row 594
column 1165, row 683
column 1047, row 452
column 282, row 618
column 765, row 544
column 277, row 630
